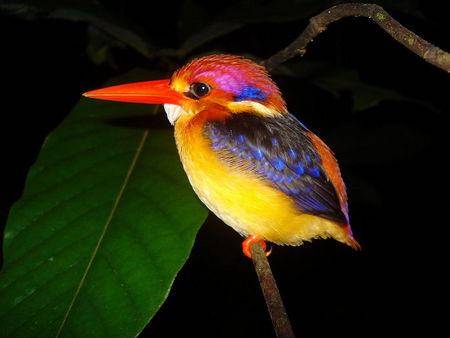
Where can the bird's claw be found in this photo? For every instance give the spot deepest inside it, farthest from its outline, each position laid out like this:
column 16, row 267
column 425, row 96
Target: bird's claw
column 249, row 241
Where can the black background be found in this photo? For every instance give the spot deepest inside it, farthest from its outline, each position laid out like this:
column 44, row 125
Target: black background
column 392, row 158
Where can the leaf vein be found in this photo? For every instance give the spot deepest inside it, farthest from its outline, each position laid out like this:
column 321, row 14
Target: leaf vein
column 105, row 228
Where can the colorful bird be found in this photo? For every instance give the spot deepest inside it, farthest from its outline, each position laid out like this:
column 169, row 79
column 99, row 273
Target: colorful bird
column 248, row 159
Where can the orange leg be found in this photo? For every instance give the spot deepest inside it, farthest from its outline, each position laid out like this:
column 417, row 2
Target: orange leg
column 248, row 243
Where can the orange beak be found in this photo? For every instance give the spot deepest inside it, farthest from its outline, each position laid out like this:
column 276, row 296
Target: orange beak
column 155, row 92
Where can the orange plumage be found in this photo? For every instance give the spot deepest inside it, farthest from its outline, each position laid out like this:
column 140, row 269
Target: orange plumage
column 248, row 159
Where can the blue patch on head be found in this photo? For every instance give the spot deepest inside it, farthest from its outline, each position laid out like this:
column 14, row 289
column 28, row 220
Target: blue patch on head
column 250, row 93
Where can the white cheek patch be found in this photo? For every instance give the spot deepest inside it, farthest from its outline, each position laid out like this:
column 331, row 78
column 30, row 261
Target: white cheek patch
column 173, row 112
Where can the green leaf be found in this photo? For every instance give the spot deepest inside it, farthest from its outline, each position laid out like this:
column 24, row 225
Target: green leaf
column 193, row 17
column 207, row 34
column 119, row 28
column 99, row 45
column 274, row 11
column 375, row 144
column 197, row 28
column 115, row 26
column 106, row 221
column 338, row 80
column 364, row 95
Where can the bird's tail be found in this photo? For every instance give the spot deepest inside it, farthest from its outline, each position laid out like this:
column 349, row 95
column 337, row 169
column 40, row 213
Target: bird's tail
column 349, row 239
column 352, row 242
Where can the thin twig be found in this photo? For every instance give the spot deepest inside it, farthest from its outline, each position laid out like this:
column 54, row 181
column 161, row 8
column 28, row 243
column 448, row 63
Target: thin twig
column 271, row 293
column 320, row 22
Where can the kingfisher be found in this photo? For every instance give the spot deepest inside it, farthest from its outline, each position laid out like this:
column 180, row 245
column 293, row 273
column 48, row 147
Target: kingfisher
column 249, row 160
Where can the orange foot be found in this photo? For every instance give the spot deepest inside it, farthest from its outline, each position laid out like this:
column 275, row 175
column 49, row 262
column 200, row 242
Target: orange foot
column 248, row 243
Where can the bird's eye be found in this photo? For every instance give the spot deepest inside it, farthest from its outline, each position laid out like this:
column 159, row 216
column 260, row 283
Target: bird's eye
column 198, row 90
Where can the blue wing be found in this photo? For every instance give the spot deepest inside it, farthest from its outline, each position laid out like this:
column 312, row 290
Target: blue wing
column 279, row 150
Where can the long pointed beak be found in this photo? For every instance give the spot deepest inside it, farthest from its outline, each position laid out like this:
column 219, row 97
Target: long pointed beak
column 156, row 92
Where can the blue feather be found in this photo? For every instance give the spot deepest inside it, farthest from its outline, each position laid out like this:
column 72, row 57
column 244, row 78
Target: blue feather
column 292, row 153
column 314, row 172
column 250, row 93
column 279, row 164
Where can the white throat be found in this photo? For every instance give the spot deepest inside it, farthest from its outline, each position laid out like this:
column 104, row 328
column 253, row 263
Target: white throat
column 173, row 112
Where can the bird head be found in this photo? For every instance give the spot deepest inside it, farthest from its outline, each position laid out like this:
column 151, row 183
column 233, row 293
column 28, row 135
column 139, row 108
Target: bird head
column 222, row 82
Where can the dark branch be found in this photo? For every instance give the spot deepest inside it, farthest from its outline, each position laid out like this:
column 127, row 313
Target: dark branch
column 271, row 293
column 320, row 22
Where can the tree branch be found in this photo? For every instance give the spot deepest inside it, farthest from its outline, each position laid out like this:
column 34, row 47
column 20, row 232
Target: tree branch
column 320, row 22
column 271, row 293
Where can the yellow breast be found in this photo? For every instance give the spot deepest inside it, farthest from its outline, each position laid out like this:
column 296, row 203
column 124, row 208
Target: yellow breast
column 242, row 199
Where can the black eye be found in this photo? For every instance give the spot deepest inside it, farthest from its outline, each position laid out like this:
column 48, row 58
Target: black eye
column 198, row 90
